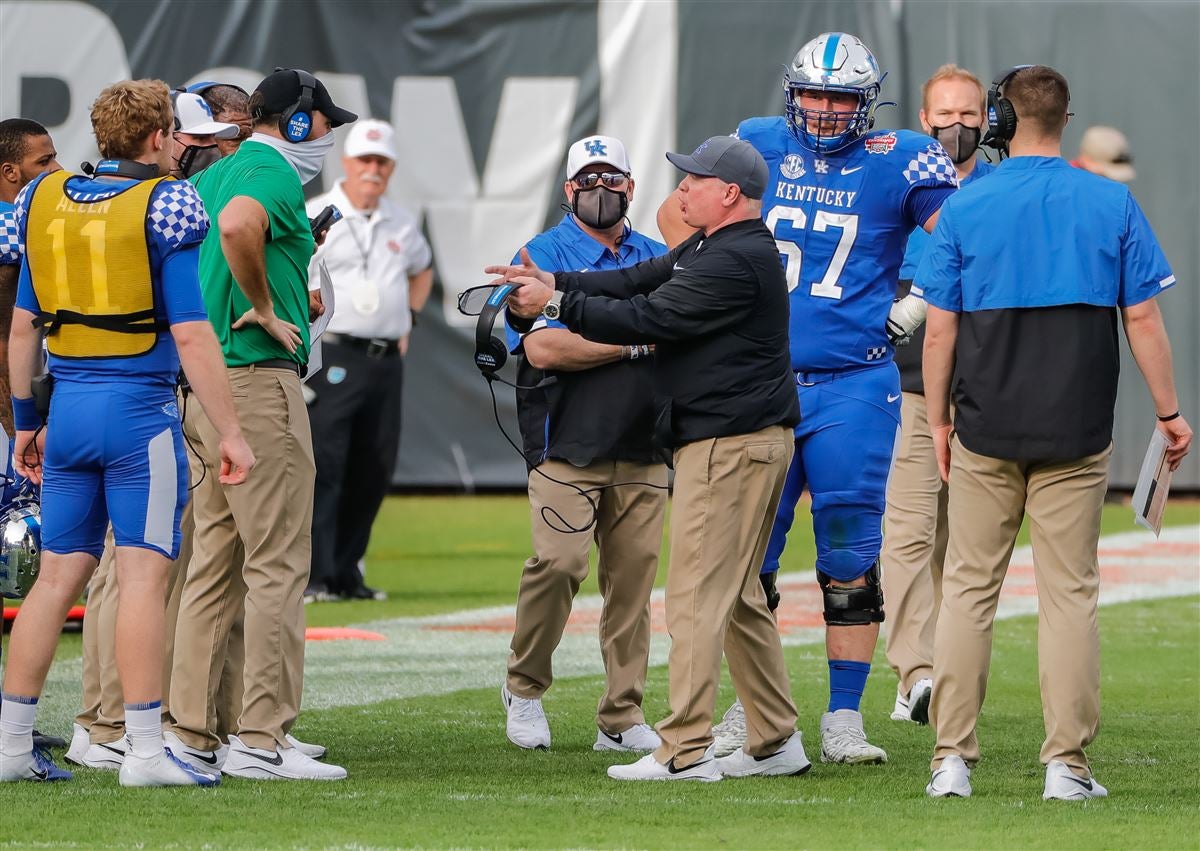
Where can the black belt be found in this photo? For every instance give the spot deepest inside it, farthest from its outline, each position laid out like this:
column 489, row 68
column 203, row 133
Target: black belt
column 281, row 363
column 375, row 347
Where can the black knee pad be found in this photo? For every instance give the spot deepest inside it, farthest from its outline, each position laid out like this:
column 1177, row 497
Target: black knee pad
column 852, row 605
column 768, row 584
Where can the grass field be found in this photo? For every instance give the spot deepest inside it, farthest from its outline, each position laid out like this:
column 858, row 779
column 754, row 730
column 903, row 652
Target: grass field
column 436, row 771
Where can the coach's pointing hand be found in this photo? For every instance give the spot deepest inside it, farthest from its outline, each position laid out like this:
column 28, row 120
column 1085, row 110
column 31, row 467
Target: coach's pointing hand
column 527, row 269
column 530, row 297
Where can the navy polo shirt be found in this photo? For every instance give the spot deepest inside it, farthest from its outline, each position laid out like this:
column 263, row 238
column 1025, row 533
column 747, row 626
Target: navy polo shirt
column 606, row 412
column 1036, row 259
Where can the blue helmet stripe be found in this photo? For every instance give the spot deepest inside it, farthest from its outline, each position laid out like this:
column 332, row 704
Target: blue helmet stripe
column 831, row 47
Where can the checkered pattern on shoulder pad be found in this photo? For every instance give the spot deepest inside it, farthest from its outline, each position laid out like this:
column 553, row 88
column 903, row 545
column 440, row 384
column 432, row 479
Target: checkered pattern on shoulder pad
column 177, row 214
column 932, row 164
column 10, row 239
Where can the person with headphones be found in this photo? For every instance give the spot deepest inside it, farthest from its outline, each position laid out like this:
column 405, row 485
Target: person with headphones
column 587, row 436
column 1030, row 336
column 254, row 273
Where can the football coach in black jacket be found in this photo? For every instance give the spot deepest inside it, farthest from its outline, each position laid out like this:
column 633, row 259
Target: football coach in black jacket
column 716, row 309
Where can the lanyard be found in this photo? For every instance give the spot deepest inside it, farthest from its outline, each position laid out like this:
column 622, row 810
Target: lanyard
column 363, row 250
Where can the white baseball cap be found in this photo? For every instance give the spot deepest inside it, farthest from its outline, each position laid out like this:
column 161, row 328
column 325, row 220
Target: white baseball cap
column 1108, row 151
column 605, row 150
column 371, row 137
column 194, row 116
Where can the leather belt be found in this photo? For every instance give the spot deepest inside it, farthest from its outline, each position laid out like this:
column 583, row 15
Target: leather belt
column 374, row 347
column 281, row 363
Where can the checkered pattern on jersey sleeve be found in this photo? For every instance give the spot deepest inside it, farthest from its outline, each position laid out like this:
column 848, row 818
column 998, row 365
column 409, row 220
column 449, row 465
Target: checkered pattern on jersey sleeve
column 10, row 239
column 931, row 164
column 177, row 214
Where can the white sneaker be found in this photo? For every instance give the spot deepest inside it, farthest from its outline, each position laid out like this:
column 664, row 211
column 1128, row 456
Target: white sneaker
column 730, row 734
column 204, row 761
column 107, row 757
column 80, row 742
column 639, row 737
column 1063, row 784
column 952, row 779
column 278, row 764
column 526, row 727
column 843, row 739
column 788, row 760
column 312, row 751
column 649, row 768
column 915, row 705
column 163, row 769
column 35, row 765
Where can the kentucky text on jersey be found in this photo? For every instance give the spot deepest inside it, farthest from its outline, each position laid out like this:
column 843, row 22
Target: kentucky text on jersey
column 816, row 194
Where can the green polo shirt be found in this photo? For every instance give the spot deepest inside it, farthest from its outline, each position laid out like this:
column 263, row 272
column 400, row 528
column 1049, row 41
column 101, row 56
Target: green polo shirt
column 259, row 172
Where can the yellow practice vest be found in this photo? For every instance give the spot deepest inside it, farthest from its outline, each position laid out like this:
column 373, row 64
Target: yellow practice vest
column 90, row 267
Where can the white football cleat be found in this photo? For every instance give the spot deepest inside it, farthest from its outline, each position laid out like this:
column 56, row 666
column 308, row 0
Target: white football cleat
column 952, row 779
column 309, row 750
column 843, row 740
column 35, row 765
column 208, row 762
column 648, row 768
column 788, row 760
column 526, row 726
column 639, row 737
column 163, row 769
column 278, row 764
column 80, row 742
column 1063, row 784
column 915, row 705
column 730, row 734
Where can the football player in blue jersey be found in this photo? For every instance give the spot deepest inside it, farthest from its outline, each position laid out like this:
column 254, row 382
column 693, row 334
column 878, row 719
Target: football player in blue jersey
column 841, row 201
column 109, row 269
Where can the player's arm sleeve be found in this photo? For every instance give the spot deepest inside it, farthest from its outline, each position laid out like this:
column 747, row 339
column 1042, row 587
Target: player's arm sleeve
column 921, row 202
column 939, row 276
column 26, row 297
column 10, row 238
column 715, row 292
column 1144, row 269
column 178, row 225
column 181, row 286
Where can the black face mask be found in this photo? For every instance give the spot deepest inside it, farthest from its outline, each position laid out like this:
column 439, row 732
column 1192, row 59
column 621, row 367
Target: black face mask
column 959, row 141
column 599, row 208
column 196, row 158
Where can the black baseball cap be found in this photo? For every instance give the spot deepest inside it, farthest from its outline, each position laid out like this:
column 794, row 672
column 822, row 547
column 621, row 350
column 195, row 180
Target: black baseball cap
column 282, row 88
column 728, row 159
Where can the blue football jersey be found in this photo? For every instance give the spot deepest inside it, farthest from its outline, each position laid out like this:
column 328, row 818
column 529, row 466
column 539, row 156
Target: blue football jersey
column 918, row 240
column 841, row 221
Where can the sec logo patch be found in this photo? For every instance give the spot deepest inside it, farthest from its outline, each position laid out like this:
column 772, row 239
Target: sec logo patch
column 792, row 166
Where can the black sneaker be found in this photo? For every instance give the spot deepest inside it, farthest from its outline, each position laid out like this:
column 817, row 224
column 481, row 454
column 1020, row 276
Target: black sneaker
column 364, row 592
column 317, row 592
column 41, row 740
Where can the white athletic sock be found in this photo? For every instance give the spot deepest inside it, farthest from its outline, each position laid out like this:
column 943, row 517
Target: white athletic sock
column 16, row 724
column 143, row 726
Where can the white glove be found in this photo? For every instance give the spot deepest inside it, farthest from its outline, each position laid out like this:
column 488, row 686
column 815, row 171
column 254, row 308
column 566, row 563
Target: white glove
column 905, row 318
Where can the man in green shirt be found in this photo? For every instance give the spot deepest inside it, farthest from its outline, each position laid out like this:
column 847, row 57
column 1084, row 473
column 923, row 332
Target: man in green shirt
column 254, row 278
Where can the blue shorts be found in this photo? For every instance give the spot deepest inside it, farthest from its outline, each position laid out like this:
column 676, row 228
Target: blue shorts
column 845, row 444
column 114, row 453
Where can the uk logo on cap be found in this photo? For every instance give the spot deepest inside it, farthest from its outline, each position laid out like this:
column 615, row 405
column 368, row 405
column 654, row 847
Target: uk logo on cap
column 595, row 147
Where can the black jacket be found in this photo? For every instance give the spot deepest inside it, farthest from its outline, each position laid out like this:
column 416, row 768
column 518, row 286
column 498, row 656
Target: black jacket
column 716, row 309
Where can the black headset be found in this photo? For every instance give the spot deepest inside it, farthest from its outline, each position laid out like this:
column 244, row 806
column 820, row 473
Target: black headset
column 1002, row 115
column 491, row 352
column 296, row 122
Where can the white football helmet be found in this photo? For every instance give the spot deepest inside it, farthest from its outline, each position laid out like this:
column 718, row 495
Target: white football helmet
column 832, row 62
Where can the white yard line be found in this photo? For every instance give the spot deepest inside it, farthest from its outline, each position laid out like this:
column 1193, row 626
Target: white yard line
column 468, row 649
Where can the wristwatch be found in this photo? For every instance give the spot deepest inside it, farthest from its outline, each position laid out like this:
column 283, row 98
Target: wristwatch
column 553, row 306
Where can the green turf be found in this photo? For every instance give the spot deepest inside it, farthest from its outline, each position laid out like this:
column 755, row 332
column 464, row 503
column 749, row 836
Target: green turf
column 437, row 772
column 441, row 553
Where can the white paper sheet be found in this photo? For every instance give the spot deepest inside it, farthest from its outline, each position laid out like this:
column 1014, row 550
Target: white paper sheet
column 1153, row 485
column 317, row 329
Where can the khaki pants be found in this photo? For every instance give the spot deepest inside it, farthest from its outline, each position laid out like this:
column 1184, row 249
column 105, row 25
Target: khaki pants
column 914, row 547
column 988, row 499
column 628, row 535
column 271, row 515
column 726, row 492
column 103, row 713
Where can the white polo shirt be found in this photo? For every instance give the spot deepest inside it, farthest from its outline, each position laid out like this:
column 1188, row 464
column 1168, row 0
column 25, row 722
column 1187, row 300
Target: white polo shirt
column 370, row 257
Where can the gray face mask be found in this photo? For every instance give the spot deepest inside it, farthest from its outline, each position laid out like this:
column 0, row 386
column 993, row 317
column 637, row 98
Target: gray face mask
column 959, row 141
column 196, row 158
column 599, row 208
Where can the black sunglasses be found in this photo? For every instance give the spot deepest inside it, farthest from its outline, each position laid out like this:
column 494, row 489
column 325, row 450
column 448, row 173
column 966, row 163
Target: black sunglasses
column 611, row 179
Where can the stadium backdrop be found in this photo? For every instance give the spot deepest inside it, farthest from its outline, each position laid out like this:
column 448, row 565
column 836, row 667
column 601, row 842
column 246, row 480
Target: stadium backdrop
column 487, row 94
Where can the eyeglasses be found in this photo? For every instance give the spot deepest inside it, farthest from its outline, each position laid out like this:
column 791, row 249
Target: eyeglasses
column 611, row 179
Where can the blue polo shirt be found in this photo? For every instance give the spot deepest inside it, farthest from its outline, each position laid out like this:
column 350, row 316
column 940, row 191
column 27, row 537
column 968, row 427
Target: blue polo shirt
column 1036, row 260
column 1040, row 233
column 607, row 411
